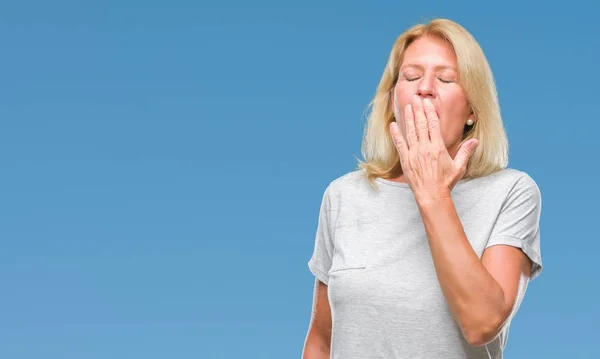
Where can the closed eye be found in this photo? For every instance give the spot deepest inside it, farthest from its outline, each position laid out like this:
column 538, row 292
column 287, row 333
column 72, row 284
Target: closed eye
column 410, row 79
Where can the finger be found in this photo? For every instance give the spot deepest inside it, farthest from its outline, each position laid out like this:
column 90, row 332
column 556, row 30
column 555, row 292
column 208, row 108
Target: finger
column 409, row 120
column 399, row 142
column 465, row 152
column 421, row 120
column 433, row 122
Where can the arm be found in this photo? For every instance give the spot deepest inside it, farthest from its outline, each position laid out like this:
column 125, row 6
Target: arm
column 480, row 293
column 318, row 339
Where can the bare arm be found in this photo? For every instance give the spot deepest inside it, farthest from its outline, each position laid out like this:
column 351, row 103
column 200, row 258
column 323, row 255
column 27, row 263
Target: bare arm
column 481, row 293
column 318, row 339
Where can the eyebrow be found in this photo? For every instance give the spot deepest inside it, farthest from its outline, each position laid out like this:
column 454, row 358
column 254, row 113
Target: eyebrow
column 438, row 67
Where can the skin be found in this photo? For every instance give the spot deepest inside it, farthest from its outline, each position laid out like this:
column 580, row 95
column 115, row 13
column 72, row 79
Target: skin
column 318, row 340
column 427, row 133
column 480, row 293
column 429, row 70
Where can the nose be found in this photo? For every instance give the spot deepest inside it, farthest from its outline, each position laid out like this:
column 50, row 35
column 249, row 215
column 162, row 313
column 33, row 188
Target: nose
column 426, row 87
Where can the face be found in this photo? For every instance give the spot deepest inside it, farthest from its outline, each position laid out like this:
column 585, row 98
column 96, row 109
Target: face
column 429, row 70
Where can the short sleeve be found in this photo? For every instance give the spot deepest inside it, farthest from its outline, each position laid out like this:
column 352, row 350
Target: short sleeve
column 518, row 223
column 320, row 262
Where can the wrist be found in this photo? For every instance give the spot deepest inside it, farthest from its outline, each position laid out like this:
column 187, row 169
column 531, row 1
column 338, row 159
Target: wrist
column 432, row 199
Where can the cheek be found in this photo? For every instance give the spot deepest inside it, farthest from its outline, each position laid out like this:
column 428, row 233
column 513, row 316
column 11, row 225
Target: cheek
column 401, row 99
column 455, row 113
column 403, row 96
column 455, row 107
column 398, row 109
column 459, row 106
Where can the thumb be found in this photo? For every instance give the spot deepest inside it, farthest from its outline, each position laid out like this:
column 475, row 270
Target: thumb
column 465, row 152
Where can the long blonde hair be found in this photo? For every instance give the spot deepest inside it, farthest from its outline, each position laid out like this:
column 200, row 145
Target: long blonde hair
column 380, row 155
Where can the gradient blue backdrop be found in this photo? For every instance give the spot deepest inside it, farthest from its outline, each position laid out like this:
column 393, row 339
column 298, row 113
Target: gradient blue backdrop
column 162, row 166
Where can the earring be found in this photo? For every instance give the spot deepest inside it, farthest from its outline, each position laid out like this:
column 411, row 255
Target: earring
column 470, row 122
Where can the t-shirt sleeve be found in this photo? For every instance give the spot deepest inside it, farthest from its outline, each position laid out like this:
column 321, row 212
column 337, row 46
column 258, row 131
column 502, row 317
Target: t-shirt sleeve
column 320, row 262
column 518, row 223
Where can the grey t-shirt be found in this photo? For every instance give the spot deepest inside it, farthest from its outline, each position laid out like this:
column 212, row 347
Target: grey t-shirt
column 371, row 250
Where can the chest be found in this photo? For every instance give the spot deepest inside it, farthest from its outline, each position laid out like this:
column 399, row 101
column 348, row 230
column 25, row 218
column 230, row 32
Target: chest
column 383, row 257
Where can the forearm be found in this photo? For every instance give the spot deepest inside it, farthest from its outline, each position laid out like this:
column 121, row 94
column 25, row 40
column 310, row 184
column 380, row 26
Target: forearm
column 474, row 297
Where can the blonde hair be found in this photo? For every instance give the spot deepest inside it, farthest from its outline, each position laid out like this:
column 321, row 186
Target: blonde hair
column 380, row 155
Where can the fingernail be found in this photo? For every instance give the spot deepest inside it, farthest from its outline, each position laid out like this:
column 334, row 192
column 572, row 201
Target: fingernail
column 427, row 102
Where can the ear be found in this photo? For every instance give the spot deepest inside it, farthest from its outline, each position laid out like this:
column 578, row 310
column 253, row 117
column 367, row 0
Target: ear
column 471, row 119
column 472, row 115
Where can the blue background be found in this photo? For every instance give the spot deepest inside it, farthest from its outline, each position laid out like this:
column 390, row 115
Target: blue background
column 162, row 166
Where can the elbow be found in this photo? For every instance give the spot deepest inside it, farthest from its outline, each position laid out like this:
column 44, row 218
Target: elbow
column 479, row 338
column 315, row 352
column 484, row 331
column 316, row 346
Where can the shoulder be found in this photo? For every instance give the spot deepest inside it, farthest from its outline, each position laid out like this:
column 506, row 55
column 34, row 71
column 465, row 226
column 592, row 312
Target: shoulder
column 508, row 185
column 508, row 179
column 351, row 182
column 348, row 189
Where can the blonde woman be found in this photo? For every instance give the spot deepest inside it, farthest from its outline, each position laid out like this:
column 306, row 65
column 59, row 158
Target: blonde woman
column 426, row 250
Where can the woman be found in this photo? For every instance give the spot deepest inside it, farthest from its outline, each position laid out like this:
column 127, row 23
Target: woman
column 426, row 250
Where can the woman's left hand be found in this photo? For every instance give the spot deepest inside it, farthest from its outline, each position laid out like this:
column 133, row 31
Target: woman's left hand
column 426, row 163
